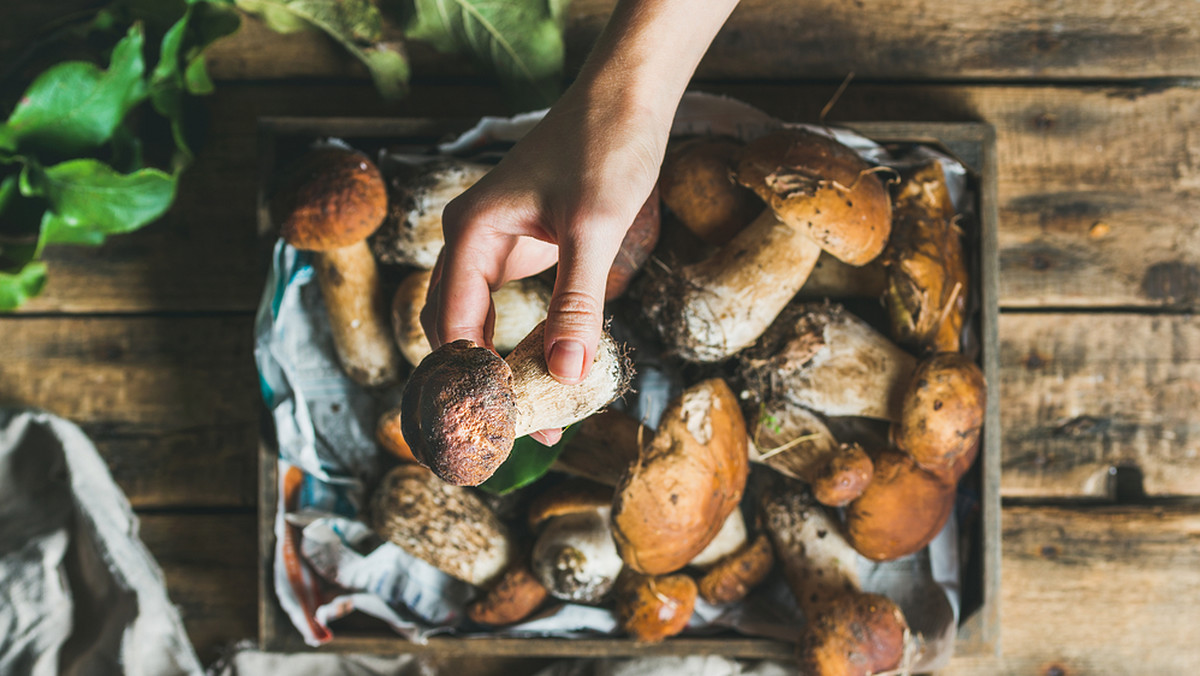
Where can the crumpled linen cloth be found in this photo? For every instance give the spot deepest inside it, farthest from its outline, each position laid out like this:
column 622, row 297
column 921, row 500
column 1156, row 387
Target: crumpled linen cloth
column 79, row 593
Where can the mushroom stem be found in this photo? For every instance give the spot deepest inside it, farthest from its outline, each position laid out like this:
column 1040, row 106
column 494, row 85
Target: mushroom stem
column 542, row 402
column 349, row 283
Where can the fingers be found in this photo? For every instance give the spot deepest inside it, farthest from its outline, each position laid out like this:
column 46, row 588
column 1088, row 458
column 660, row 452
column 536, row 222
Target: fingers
column 459, row 304
column 547, row 437
column 575, row 317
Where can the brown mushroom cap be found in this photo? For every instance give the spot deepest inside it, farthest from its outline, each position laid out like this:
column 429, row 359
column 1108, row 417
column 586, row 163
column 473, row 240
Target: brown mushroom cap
column 902, row 510
column 817, row 185
column 636, row 247
column 842, row 476
column 735, row 575
column 333, row 198
column 858, row 635
column 512, row 599
column 569, row 497
column 651, row 608
column 942, row 413
column 698, row 187
column 390, row 435
column 676, row 498
column 463, row 416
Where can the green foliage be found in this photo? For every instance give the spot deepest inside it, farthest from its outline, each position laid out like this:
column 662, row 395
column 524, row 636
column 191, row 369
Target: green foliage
column 355, row 24
column 519, row 41
column 71, row 167
column 528, row 462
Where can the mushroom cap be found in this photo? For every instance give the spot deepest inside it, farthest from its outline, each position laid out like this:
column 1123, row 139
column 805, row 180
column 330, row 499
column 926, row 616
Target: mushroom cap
column 389, row 433
column 569, row 497
column 698, row 187
column 512, row 599
column 941, row 416
column 823, row 189
column 902, row 509
column 858, row 635
column 675, row 500
column 651, row 608
column 843, row 476
column 731, row 579
column 447, row 526
column 333, row 198
column 461, row 413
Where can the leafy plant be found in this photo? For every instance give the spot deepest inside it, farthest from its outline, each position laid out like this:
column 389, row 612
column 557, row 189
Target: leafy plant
column 528, row 462
column 71, row 166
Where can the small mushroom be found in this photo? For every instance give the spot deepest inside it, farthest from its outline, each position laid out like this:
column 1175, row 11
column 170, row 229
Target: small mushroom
column 942, row 414
column 857, row 635
column 822, row 196
column 824, row 358
column 389, row 435
column 698, row 187
column 447, row 526
column 738, row 573
column 927, row 277
column 574, row 556
column 417, row 196
column 687, row 481
column 902, row 510
column 329, row 204
column 464, row 406
column 652, row 607
column 636, row 247
column 520, row 306
column 512, row 599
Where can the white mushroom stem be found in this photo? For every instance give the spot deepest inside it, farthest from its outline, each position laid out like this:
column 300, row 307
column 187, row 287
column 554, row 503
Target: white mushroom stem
column 542, row 402
column 729, row 539
column 790, row 439
column 826, row 359
column 520, row 305
column 349, row 281
column 818, row 564
column 575, row 557
column 728, row 300
column 412, row 233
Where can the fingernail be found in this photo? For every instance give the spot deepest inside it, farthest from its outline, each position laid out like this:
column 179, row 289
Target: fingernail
column 566, row 360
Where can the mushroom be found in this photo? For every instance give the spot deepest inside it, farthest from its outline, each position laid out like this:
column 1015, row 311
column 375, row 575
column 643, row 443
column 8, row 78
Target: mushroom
column 942, row 414
column 464, row 406
column 517, row 594
column 902, row 509
column 731, row 578
column 848, row 631
column 389, row 434
column 636, row 247
column 926, row 295
column 698, row 187
column 412, row 231
column 574, row 556
column 329, row 204
column 447, row 526
column 728, row 540
column 794, row 442
column 824, row 358
column 652, row 607
column 520, row 306
column 604, row 447
column 686, row 482
column 822, row 196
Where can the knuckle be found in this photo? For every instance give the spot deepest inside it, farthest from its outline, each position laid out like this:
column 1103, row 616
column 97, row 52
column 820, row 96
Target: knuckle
column 575, row 308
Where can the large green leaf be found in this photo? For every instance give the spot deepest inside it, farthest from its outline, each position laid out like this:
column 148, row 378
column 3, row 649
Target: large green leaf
column 88, row 200
column 356, row 24
column 528, row 462
column 520, row 41
column 73, row 107
column 18, row 286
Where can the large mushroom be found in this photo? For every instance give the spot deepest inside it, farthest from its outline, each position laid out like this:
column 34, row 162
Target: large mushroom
column 902, row 509
column 822, row 196
column 464, row 406
column 329, row 204
column 698, row 187
column 686, row 482
column 574, row 556
column 942, row 414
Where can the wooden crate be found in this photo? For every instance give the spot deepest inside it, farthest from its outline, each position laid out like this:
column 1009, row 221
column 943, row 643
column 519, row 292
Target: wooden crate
column 972, row 143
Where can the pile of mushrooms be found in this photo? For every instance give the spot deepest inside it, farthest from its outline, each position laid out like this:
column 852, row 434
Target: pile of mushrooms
column 857, row 435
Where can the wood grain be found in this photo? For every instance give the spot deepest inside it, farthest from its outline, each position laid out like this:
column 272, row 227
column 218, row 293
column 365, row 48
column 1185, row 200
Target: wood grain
column 1106, row 590
column 825, row 39
column 172, row 403
column 1099, row 192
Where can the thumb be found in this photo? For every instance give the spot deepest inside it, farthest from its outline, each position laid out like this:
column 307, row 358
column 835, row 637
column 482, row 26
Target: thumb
column 575, row 317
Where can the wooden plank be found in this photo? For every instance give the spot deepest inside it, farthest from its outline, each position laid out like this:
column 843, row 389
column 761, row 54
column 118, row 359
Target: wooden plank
column 1099, row 192
column 208, row 562
column 172, row 403
column 786, row 39
column 1097, row 591
column 1083, row 394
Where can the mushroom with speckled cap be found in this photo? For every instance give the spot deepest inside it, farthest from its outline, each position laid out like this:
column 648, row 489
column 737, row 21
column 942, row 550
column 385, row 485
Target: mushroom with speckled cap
column 329, row 204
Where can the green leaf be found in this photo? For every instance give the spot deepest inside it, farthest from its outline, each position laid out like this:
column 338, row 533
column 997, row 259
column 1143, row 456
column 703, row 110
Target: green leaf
column 88, row 200
column 8, row 139
column 528, row 462
column 355, row 24
column 73, row 107
column 18, row 286
column 210, row 22
column 518, row 41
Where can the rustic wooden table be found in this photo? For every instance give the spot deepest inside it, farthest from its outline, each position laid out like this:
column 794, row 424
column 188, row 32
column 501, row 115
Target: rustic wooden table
column 146, row 341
